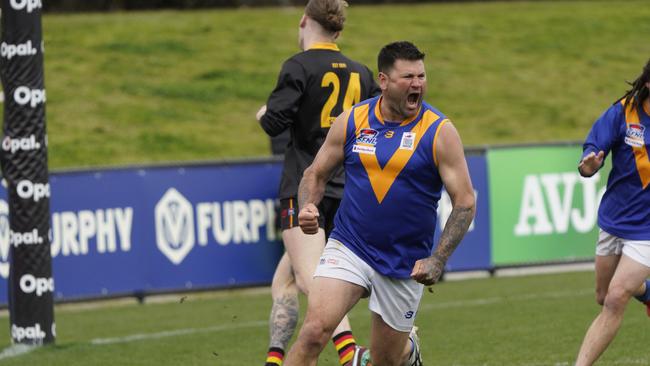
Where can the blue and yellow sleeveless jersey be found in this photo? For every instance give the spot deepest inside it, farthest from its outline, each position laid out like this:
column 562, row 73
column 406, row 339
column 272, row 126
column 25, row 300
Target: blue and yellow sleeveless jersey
column 625, row 208
column 392, row 187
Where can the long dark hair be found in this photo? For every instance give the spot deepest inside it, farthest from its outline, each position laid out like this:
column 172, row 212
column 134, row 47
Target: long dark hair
column 639, row 91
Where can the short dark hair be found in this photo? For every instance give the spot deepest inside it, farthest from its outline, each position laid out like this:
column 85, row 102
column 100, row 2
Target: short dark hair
column 402, row 50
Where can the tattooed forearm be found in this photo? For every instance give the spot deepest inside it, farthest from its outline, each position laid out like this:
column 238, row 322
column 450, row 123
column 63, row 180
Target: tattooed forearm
column 455, row 229
column 284, row 317
column 311, row 188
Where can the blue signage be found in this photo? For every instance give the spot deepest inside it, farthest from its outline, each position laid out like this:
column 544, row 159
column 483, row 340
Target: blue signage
column 473, row 253
column 155, row 229
column 158, row 229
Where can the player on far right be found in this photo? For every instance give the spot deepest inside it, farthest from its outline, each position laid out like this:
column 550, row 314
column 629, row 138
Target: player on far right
column 623, row 249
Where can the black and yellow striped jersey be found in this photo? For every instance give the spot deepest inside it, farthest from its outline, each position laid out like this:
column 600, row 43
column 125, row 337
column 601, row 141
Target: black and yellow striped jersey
column 313, row 88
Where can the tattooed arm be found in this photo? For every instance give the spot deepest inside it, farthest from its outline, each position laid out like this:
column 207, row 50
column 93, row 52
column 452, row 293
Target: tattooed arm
column 455, row 176
column 312, row 184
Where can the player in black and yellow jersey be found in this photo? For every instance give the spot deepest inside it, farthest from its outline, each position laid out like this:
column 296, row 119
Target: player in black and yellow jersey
column 314, row 86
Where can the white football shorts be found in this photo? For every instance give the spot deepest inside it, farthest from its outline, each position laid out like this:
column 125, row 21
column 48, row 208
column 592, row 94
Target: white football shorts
column 395, row 300
column 638, row 250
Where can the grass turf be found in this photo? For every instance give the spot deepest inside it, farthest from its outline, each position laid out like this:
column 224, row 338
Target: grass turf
column 508, row 321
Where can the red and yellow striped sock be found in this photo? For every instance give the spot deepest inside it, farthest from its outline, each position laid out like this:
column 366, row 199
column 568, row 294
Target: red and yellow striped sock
column 344, row 343
column 274, row 357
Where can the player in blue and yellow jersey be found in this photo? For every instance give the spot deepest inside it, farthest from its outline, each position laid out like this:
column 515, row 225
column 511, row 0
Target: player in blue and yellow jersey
column 314, row 86
column 623, row 249
column 398, row 153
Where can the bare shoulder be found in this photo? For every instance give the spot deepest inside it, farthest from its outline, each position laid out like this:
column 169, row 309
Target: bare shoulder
column 338, row 128
column 341, row 119
column 448, row 133
column 448, row 145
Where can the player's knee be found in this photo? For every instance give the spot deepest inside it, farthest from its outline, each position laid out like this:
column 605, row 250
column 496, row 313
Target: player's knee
column 303, row 281
column 315, row 333
column 616, row 299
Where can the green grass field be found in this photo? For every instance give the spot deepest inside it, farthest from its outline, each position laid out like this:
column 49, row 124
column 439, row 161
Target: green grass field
column 141, row 87
column 530, row 320
column 144, row 87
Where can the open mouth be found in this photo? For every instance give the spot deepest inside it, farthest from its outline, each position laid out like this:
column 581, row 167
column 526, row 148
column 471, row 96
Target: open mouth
column 413, row 98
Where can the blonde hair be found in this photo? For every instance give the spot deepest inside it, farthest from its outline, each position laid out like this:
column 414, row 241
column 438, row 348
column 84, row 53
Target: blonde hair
column 330, row 14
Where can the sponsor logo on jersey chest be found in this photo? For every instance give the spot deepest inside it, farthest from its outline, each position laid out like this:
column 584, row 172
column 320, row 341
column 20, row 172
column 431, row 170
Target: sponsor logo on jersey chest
column 635, row 135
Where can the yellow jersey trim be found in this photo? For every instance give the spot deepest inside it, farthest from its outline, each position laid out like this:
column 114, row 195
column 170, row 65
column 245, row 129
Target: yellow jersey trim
column 640, row 152
column 435, row 139
column 324, row 46
column 382, row 179
column 381, row 119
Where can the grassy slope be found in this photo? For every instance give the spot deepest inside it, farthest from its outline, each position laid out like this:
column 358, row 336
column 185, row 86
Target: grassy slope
column 522, row 321
column 129, row 88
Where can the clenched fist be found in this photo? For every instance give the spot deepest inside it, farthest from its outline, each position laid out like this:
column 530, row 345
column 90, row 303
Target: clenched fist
column 308, row 219
column 427, row 271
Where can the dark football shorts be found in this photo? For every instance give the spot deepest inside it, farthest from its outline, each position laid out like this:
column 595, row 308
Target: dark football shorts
column 327, row 209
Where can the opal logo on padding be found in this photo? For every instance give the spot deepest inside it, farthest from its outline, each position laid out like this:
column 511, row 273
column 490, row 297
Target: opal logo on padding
column 174, row 226
column 30, row 284
column 8, row 50
column 34, row 333
column 36, row 191
column 29, row 5
column 13, row 145
column 24, row 96
column 29, row 238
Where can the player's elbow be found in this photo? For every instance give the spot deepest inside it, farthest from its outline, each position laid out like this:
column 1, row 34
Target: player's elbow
column 270, row 129
column 311, row 174
column 308, row 173
column 466, row 202
column 314, row 178
column 271, row 126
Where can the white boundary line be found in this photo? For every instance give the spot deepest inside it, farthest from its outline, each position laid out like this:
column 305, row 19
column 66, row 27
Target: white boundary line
column 499, row 299
column 16, row 350
column 260, row 323
column 522, row 271
column 545, row 269
column 176, row 332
